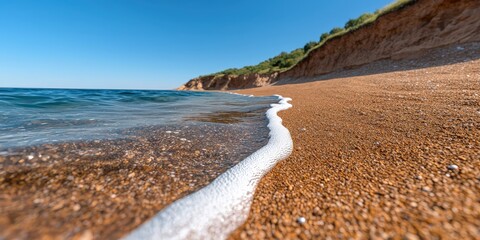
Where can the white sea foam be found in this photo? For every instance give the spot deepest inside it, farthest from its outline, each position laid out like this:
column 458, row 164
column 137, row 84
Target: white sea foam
column 249, row 95
column 216, row 210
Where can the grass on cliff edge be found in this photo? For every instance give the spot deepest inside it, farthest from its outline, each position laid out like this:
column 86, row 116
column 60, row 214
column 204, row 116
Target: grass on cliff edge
column 285, row 61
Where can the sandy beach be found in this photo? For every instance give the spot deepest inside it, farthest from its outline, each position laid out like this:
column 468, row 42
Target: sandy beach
column 387, row 150
column 240, row 120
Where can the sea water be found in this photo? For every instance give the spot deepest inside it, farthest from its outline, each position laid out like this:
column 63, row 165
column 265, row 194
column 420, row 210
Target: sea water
column 35, row 116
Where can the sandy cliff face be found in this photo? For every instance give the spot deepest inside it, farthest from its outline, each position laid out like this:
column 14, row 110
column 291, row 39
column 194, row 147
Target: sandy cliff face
column 227, row 82
column 402, row 34
column 424, row 25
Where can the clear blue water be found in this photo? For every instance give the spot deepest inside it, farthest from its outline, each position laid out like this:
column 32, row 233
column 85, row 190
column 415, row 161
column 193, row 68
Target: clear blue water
column 36, row 116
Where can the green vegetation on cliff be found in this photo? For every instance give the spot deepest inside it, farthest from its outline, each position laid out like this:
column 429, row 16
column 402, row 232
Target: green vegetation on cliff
column 285, row 61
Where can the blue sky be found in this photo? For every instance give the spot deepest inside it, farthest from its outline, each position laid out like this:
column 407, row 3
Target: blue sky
column 147, row 44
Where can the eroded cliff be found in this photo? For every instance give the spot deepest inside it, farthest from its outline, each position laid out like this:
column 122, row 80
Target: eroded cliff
column 400, row 34
column 226, row 82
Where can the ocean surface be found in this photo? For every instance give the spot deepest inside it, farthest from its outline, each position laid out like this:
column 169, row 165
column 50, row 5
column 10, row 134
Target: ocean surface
column 37, row 116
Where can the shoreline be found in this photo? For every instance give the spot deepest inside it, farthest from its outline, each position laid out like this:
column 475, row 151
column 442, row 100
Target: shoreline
column 374, row 153
column 219, row 208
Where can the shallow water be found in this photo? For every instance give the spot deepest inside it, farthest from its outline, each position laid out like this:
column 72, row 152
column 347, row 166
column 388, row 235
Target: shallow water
column 35, row 116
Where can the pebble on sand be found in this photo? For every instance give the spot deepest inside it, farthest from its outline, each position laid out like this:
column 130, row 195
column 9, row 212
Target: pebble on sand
column 76, row 207
column 301, row 220
column 452, row 167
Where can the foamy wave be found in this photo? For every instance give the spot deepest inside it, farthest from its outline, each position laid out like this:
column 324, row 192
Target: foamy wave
column 216, row 210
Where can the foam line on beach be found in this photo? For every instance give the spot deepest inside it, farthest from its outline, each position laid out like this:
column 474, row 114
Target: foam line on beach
column 219, row 208
column 250, row 95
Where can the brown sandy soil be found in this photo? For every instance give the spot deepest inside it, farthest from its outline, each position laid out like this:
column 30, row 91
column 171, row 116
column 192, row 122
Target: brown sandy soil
column 372, row 154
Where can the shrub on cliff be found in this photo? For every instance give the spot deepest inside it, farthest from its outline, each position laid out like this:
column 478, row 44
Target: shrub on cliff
column 284, row 60
column 336, row 30
column 309, row 46
column 357, row 22
column 324, row 37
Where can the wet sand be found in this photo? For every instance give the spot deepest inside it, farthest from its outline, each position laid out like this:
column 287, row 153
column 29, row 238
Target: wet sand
column 104, row 189
column 375, row 154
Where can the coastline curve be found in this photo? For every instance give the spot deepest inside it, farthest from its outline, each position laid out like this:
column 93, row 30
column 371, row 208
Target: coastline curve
column 219, row 208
